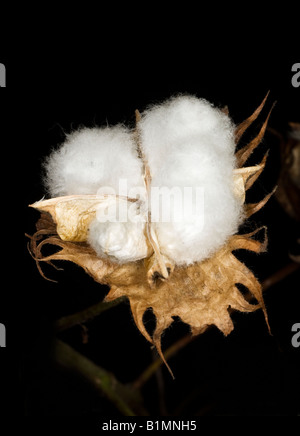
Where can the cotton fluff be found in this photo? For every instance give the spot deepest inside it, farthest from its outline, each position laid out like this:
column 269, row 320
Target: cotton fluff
column 120, row 241
column 94, row 158
column 189, row 143
column 98, row 159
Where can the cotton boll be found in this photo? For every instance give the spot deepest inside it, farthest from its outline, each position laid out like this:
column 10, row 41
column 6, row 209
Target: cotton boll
column 91, row 159
column 190, row 144
column 189, row 241
column 119, row 232
column 187, row 143
column 122, row 242
column 180, row 124
column 102, row 161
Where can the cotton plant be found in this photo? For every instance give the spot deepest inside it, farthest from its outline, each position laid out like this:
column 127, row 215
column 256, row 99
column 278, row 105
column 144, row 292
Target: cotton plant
column 154, row 212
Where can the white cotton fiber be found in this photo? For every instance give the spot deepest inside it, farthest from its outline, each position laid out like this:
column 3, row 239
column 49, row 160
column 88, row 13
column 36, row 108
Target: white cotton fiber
column 91, row 159
column 189, row 143
column 121, row 241
column 101, row 159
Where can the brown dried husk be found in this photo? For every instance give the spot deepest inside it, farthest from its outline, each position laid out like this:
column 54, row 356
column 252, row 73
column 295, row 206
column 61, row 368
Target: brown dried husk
column 201, row 294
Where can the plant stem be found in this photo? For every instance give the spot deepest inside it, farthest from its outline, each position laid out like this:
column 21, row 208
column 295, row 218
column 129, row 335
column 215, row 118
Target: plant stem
column 280, row 275
column 127, row 400
column 69, row 321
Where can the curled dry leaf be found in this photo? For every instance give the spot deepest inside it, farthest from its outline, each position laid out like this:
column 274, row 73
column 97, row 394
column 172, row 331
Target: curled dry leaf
column 73, row 214
column 199, row 294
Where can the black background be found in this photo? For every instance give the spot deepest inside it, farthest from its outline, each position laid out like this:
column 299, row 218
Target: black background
column 53, row 91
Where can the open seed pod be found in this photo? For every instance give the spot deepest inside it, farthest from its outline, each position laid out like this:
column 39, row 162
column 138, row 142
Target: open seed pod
column 200, row 294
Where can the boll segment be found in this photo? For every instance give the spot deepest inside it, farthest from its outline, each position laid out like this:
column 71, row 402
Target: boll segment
column 93, row 159
column 189, row 144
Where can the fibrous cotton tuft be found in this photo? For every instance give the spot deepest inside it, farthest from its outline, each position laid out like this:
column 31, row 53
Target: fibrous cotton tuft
column 189, row 147
column 91, row 159
column 190, row 144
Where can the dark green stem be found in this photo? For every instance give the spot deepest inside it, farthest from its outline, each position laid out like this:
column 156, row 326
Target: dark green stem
column 69, row 321
column 126, row 399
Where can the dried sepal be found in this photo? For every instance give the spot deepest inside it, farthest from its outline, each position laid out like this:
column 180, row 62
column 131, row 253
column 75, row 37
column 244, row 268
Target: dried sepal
column 200, row 294
column 243, row 179
column 243, row 126
column 253, row 208
column 244, row 153
column 73, row 213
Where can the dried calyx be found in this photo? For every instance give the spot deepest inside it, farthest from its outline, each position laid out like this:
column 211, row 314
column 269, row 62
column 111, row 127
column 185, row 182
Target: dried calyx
column 199, row 292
